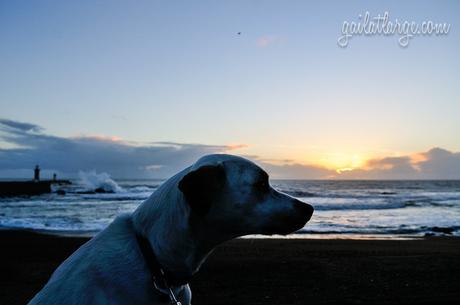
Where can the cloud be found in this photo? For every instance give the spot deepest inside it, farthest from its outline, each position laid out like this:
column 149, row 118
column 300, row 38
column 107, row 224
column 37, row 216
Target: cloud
column 265, row 41
column 285, row 169
column 18, row 126
column 67, row 156
column 440, row 163
column 387, row 168
column 436, row 163
column 123, row 159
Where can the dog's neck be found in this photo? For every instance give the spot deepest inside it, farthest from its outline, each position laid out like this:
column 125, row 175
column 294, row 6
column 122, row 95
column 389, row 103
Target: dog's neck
column 165, row 221
column 179, row 252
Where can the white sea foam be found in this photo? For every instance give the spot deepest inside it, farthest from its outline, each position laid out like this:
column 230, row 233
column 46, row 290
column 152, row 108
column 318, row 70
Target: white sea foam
column 384, row 208
column 99, row 181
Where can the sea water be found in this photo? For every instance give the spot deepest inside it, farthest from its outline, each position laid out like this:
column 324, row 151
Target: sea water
column 343, row 209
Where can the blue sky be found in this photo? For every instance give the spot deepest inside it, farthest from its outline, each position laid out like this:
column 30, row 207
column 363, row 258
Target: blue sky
column 151, row 71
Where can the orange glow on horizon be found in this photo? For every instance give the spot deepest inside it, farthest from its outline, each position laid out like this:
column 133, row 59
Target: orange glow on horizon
column 341, row 162
column 345, row 169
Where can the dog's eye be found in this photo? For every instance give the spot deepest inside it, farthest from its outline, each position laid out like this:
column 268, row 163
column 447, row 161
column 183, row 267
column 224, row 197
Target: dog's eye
column 262, row 185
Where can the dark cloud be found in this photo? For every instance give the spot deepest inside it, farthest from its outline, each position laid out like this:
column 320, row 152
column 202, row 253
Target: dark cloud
column 13, row 126
column 118, row 158
column 440, row 163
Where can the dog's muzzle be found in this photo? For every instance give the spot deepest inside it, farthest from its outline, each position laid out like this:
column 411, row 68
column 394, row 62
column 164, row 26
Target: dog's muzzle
column 302, row 214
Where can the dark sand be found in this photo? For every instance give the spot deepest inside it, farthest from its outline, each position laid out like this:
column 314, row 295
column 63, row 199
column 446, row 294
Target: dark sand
column 273, row 271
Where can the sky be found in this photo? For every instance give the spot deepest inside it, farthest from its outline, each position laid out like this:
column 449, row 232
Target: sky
column 142, row 89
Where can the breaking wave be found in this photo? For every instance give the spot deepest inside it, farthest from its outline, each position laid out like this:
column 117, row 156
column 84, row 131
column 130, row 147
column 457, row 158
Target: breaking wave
column 94, row 182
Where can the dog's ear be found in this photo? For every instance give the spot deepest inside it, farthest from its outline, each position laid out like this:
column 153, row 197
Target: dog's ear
column 200, row 187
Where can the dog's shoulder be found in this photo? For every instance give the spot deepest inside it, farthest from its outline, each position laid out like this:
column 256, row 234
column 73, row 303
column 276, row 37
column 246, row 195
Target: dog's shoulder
column 104, row 268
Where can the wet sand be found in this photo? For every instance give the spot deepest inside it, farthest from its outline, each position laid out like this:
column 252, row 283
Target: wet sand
column 273, row 271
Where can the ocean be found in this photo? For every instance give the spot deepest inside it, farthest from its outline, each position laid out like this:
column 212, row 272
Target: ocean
column 343, row 209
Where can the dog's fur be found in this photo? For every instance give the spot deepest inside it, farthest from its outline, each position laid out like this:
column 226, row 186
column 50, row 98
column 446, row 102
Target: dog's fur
column 218, row 198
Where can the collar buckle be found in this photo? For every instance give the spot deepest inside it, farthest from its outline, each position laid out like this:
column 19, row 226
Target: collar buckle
column 164, row 288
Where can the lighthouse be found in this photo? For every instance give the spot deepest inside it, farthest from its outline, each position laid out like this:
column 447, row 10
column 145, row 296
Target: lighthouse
column 37, row 173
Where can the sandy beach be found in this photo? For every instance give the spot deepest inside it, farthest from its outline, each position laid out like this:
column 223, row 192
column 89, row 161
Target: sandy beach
column 275, row 271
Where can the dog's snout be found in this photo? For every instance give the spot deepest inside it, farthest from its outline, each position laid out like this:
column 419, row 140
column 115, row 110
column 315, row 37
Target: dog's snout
column 303, row 208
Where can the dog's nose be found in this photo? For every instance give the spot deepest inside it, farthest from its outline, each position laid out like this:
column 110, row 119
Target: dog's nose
column 303, row 208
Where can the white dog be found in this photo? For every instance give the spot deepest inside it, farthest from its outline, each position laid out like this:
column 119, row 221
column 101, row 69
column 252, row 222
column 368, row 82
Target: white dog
column 148, row 257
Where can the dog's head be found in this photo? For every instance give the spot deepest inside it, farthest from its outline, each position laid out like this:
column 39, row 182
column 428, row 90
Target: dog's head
column 233, row 196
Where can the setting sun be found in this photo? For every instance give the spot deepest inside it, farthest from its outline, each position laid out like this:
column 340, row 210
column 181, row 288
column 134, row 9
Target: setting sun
column 342, row 161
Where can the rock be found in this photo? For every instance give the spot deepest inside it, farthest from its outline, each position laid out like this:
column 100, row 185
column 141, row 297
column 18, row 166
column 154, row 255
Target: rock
column 102, row 190
column 442, row 230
